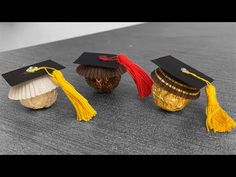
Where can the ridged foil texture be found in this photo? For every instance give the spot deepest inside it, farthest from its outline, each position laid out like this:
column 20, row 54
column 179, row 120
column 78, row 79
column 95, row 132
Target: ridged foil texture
column 45, row 100
column 168, row 101
column 104, row 85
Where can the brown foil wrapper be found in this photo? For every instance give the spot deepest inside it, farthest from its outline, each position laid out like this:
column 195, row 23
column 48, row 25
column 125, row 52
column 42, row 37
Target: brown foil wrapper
column 104, row 85
column 104, row 80
column 42, row 101
column 171, row 94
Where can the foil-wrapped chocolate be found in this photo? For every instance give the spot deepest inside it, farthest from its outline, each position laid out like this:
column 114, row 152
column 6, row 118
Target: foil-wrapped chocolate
column 172, row 89
column 169, row 94
column 104, row 80
column 44, row 100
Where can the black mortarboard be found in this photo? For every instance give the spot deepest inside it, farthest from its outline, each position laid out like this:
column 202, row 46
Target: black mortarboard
column 20, row 75
column 173, row 66
column 92, row 59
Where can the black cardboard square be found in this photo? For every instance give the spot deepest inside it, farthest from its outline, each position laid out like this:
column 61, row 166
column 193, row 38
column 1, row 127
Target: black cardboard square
column 20, row 75
column 92, row 59
column 173, row 66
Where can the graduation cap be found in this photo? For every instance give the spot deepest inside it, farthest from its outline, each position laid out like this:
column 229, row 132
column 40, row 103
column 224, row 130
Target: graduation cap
column 170, row 76
column 25, row 85
column 35, row 87
column 103, row 72
column 176, row 84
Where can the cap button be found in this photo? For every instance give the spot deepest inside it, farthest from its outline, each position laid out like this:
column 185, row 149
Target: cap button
column 184, row 70
column 31, row 69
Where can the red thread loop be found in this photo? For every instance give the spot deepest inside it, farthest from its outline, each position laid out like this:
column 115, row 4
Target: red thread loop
column 106, row 58
column 141, row 78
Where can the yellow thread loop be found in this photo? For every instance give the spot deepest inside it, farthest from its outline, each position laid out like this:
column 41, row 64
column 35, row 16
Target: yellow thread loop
column 184, row 70
column 33, row 69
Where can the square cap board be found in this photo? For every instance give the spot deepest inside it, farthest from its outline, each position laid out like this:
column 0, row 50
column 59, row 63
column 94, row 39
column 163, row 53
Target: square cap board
column 173, row 66
column 92, row 59
column 20, row 75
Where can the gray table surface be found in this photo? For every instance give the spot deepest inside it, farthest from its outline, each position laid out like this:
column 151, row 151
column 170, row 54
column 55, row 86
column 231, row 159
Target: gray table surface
column 124, row 123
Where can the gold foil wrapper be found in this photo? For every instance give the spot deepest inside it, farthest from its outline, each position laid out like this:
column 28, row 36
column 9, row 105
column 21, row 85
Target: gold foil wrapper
column 104, row 85
column 168, row 101
column 42, row 101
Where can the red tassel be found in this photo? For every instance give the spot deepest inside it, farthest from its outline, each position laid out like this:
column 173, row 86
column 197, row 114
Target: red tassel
column 141, row 78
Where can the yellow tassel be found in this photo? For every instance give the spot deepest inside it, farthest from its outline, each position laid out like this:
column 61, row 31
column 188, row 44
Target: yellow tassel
column 83, row 109
column 217, row 119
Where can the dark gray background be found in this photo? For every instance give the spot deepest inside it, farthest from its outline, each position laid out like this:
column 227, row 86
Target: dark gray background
column 125, row 124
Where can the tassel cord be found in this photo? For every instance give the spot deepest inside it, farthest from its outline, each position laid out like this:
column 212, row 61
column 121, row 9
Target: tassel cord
column 217, row 119
column 142, row 80
column 83, row 109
